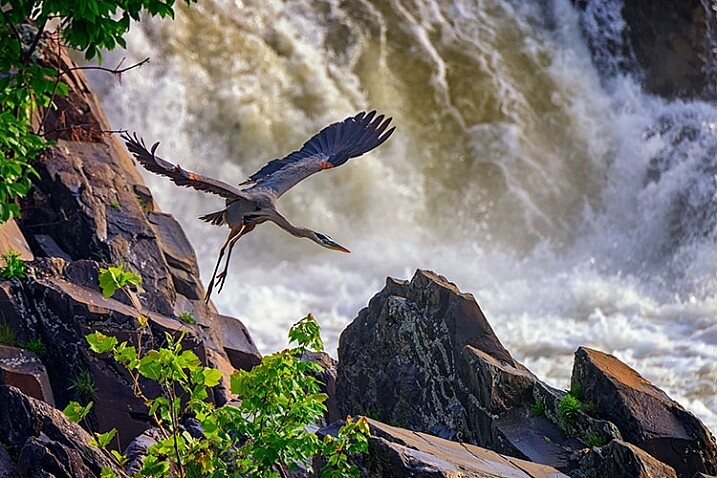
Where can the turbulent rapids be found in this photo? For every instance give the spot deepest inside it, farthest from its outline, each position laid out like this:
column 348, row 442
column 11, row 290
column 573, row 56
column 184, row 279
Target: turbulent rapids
column 528, row 167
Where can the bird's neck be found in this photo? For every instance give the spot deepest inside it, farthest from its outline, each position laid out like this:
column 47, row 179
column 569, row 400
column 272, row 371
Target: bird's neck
column 297, row 231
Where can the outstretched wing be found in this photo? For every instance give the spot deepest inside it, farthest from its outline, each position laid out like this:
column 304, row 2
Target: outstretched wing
column 331, row 147
column 179, row 176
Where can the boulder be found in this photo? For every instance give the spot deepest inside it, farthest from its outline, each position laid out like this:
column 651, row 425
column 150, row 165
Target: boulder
column 422, row 356
column 24, row 370
column 623, row 460
column 396, row 452
column 645, row 415
column 236, row 342
column 45, row 442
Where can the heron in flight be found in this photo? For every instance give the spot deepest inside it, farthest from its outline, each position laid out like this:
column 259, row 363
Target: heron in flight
column 256, row 201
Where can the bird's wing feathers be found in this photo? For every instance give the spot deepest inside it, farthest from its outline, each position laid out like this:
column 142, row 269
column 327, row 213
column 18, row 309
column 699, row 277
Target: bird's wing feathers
column 179, row 176
column 332, row 146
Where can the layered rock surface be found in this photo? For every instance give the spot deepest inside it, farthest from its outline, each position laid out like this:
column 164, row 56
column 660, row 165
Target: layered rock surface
column 88, row 210
column 422, row 356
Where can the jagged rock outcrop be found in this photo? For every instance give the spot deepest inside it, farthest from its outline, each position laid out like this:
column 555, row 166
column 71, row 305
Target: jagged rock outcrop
column 45, row 443
column 669, row 44
column 422, row 356
column 645, row 415
column 88, row 210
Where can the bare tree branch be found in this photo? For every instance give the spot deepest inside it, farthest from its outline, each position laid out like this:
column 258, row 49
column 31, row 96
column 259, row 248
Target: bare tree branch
column 115, row 71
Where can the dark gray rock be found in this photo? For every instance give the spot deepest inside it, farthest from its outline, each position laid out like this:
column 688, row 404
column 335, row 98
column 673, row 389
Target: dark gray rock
column 645, row 415
column 327, row 377
column 623, row 460
column 236, row 342
column 422, row 356
column 666, row 43
column 45, row 442
column 8, row 468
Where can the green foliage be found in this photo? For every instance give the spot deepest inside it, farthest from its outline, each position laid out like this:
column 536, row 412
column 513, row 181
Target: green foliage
column 7, row 335
column 84, row 386
column 14, row 268
column 114, row 278
column 595, row 439
column 35, row 345
column 263, row 435
column 568, row 409
column 27, row 87
column 537, row 409
column 187, row 318
column 76, row 412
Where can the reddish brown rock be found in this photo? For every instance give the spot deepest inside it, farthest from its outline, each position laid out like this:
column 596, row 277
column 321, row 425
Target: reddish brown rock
column 24, row 370
column 11, row 239
column 645, row 415
column 396, row 452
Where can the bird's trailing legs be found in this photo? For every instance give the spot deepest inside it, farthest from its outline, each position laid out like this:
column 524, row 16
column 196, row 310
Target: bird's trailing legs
column 234, row 235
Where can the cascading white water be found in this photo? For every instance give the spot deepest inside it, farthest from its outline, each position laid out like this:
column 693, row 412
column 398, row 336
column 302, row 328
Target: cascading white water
column 577, row 208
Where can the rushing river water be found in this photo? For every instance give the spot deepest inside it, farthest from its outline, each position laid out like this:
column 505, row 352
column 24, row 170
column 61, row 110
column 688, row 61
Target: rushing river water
column 578, row 209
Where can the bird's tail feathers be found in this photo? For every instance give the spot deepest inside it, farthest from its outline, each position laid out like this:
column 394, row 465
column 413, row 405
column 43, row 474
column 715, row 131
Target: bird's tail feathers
column 216, row 218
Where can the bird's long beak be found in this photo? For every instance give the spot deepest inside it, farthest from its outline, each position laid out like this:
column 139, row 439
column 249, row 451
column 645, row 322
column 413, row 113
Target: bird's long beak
column 337, row 247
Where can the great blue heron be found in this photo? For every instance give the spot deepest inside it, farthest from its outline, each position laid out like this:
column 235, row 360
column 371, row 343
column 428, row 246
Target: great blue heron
column 256, row 202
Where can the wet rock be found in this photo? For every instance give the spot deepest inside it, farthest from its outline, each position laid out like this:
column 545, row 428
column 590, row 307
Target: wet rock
column 24, row 370
column 623, row 460
column 422, row 356
column 645, row 415
column 396, row 452
column 668, row 43
column 45, row 442
column 65, row 314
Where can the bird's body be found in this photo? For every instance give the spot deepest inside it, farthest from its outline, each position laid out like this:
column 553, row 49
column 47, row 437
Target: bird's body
column 256, row 202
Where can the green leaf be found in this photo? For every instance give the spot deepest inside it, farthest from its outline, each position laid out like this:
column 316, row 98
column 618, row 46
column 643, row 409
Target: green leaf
column 114, row 278
column 101, row 343
column 101, row 440
column 212, row 377
column 76, row 412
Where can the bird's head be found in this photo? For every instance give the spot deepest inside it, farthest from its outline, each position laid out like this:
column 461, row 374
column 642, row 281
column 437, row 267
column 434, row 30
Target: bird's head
column 329, row 243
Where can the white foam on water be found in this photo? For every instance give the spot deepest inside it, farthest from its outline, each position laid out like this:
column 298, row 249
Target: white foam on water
column 571, row 205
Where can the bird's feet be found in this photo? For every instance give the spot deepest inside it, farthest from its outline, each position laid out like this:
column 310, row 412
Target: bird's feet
column 220, row 278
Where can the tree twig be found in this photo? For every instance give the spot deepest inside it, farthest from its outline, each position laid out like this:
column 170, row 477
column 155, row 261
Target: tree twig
column 115, row 71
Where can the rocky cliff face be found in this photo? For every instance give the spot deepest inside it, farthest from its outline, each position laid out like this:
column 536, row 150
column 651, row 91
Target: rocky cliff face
column 88, row 210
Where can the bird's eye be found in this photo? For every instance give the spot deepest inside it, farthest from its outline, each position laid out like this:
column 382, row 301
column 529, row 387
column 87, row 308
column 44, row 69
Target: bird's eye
column 322, row 237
